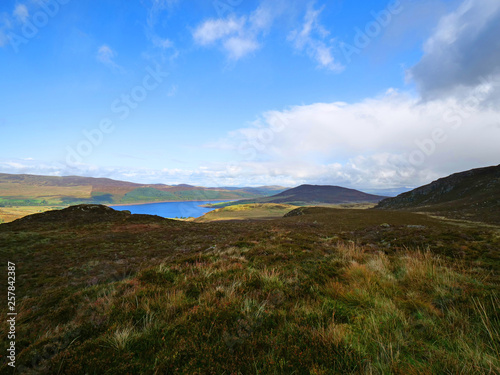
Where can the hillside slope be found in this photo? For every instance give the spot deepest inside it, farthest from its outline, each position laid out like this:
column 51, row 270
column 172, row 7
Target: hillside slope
column 471, row 195
column 324, row 194
column 330, row 291
column 32, row 190
column 313, row 195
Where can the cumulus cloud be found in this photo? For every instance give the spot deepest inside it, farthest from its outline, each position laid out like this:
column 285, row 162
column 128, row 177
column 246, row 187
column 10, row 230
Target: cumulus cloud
column 234, row 35
column 396, row 139
column 463, row 51
column 238, row 47
column 238, row 36
column 392, row 140
column 213, row 176
column 389, row 141
column 312, row 38
column 214, row 29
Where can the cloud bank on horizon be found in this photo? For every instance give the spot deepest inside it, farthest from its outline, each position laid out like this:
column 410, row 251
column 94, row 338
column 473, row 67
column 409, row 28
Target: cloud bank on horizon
column 416, row 114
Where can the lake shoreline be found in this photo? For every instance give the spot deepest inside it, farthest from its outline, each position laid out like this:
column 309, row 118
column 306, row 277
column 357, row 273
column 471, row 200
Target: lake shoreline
column 141, row 203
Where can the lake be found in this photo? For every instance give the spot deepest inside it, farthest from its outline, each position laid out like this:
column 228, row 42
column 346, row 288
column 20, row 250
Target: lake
column 169, row 210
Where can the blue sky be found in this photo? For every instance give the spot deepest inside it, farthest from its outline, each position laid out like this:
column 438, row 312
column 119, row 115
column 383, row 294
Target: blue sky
column 362, row 94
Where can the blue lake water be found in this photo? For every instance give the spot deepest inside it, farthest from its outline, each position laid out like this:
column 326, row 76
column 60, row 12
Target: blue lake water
column 169, row 210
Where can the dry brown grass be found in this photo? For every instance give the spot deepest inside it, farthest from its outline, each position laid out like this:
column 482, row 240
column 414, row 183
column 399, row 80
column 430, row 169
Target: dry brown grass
column 8, row 214
column 322, row 293
column 23, row 191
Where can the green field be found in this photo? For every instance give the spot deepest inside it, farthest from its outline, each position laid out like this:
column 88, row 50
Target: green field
column 254, row 211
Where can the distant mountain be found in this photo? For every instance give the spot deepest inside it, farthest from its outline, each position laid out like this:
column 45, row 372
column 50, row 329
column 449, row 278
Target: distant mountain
column 264, row 190
column 33, row 190
column 313, row 194
column 388, row 192
column 324, row 194
column 472, row 195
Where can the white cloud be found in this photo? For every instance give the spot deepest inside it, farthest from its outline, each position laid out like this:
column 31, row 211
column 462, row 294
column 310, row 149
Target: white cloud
column 395, row 139
column 367, row 144
column 363, row 145
column 238, row 47
column 238, row 36
column 464, row 49
column 263, row 17
column 21, row 13
column 313, row 39
column 30, row 166
column 212, row 177
column 106, row 56
column 370, row 144
column 214, row 29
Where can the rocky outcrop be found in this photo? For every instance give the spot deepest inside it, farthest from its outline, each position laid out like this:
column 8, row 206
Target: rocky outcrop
column 473, row 194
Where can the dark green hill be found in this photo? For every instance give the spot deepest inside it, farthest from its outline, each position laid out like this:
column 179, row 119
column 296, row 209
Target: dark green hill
column 324, row 194
column 313, row 195
column 472, row 195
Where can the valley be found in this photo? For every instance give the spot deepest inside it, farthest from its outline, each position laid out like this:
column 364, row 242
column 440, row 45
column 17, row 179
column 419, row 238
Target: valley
column 257, row 187
column 21, row 195
column 352, row 287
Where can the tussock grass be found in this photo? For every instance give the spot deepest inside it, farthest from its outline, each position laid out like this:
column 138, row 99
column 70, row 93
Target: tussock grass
column 120, row 338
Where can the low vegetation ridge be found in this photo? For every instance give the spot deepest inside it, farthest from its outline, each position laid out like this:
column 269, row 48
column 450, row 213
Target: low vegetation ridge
column 471, row 195
column 253, row 211
column 324, row 291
